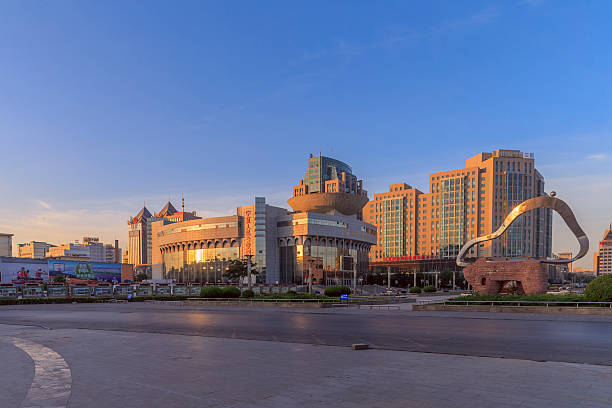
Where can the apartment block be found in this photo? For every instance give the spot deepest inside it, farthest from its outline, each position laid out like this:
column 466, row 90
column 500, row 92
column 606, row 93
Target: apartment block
column 460, row 205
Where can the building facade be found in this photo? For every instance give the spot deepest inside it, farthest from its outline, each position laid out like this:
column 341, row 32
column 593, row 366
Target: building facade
column 324, row 235
column 6, row 244
column 33, row 249
column 139, row 232
column 90, row 249
column 460, row 205
column 602, row 259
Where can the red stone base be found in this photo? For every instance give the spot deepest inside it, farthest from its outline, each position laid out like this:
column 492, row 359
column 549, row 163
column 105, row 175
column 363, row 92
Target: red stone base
column 489, row 277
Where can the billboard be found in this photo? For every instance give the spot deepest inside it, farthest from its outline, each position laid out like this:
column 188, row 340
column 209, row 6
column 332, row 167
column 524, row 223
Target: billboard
column 108, row 272
column 12, row 269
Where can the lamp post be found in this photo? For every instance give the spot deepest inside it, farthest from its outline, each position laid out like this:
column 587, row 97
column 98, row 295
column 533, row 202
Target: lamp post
column 310, row 275
column 354, row 278
column 249, row 269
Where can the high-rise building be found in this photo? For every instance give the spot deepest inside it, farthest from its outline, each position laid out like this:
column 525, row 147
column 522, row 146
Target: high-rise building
column 139, row 231
column 602, row 263
column 33, row 249
column 460, row 205
column 6, row 244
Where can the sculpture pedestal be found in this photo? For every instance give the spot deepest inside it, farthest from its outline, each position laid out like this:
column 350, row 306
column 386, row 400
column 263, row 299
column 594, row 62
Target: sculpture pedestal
column 489, row 277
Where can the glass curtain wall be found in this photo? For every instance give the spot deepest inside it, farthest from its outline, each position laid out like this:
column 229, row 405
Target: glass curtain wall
column 199, row 265
column 326, row 258
column 514, row 239
column 393, row 228
column 452, row 217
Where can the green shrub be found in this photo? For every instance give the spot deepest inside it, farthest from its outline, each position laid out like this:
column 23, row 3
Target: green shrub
column 336, row 291
column 248, row 293
column 230, row 292
column 600, row 289
column 415, row 289
column 210, row 292
column 429, row 288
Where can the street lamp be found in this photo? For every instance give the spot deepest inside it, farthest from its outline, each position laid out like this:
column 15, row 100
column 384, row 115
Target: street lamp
column 248, row 257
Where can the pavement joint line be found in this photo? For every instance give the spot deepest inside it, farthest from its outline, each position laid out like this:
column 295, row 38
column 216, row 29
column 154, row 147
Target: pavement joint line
column 52, row 381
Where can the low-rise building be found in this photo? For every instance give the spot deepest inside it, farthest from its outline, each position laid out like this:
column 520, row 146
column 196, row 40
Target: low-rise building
column 91, row 249
column 33, row 249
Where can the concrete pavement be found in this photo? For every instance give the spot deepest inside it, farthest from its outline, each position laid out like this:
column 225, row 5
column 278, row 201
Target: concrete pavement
column 113, row 366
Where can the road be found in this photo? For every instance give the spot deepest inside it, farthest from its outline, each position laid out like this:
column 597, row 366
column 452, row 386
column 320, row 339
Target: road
column 148, row 355
column 576, row 339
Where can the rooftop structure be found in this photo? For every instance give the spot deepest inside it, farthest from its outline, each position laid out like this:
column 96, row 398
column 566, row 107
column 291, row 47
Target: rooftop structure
column 329, row 186
column 139, row 231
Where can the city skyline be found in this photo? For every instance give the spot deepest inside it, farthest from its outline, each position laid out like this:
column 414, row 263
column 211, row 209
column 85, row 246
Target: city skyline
column 221, row 205
column 207, row 101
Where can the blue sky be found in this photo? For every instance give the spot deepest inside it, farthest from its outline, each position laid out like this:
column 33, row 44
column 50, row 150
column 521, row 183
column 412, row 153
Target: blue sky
column 104, row 105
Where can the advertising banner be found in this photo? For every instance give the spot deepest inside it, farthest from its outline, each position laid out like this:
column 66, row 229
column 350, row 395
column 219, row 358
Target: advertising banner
column 23, row 269
column 108, row 272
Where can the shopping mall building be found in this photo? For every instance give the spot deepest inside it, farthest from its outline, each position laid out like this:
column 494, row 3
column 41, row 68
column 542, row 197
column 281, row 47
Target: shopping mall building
column 325, row 232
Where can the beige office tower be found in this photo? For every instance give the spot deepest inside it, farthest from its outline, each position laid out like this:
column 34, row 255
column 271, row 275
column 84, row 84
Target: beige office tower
column 463, row 204
column 602, row 260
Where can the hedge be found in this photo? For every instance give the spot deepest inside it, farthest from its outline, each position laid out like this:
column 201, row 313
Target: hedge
column 336, row 291
column 211, row 292
column 599, row 289
column 248, row 293
column 429, row 289
column 415, row 289
column 230, row 292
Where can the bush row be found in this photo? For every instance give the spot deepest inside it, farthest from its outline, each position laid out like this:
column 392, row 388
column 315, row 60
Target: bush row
column 336, row 291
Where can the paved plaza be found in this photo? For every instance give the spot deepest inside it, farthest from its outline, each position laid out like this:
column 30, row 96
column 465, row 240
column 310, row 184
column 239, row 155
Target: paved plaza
column 169, row 356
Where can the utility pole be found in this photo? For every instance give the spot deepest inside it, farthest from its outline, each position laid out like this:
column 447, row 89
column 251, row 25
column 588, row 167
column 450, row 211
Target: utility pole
column 453, row 281
column 388, row 278
column 414, row 278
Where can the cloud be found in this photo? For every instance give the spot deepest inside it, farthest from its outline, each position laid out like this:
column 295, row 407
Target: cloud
column 598, row 156
column 44, row 204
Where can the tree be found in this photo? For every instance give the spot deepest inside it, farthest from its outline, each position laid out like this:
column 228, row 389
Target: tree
column 140, row 277
column 238, row 268
column 59, row 279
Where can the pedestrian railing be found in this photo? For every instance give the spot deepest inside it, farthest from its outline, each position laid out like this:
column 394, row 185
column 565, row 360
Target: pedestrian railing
column 545, row 303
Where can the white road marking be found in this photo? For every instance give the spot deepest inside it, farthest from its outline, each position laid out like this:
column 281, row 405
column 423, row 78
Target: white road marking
column 52, row 380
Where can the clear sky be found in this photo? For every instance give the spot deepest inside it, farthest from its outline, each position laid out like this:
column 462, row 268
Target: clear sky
column 105, row 105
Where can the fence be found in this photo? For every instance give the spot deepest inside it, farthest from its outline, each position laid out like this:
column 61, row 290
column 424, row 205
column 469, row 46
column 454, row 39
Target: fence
column 517, row 303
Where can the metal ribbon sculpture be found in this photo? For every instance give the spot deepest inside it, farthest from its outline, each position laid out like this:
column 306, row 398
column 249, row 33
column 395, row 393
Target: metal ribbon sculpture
column 550, row 202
